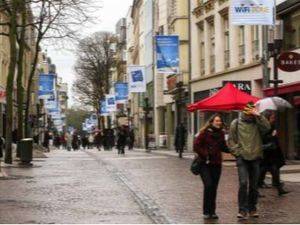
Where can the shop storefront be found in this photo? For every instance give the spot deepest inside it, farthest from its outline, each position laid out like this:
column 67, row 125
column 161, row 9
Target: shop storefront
column 289, row 119
column 200, row 118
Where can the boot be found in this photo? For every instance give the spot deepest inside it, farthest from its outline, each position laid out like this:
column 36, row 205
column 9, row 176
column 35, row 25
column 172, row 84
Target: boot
column 281, row 191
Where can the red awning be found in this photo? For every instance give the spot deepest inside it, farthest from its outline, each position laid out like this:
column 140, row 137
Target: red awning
column 229, row 98
column 2, row 95
column 283, row 89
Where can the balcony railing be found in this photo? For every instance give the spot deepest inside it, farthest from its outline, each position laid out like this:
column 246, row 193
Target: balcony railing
column 212, row 63
column 241, row 54
column 227, row 58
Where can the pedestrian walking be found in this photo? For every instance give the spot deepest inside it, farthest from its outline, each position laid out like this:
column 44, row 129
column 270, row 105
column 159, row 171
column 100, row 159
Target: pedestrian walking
column 63, row 141
column 99, row 140
column 131, row 138
column 85, row 141
column 47, row 138
column 91, row 141
column 245, row 142
column 75, row 141
column 121, row 140
column 57, row 141
column 111, row 139
column 180, row 139
column 273, row 157
column 68, row 138
column 2, row 144
column 209, row 145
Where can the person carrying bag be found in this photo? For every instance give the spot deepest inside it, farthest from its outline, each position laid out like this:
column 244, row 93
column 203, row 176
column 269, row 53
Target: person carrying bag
column 208, row 146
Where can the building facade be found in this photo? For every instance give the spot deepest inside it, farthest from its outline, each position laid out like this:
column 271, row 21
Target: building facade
column 289, row 13
column 221, row 53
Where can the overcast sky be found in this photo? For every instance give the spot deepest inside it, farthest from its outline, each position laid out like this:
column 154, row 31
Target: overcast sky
column 108, row 16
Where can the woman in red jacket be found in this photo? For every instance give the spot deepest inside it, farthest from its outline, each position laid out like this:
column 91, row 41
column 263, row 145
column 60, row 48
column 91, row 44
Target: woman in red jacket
column 209, row 145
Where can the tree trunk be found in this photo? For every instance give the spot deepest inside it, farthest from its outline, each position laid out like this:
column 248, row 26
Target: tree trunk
column 29, row 86
column 20, row 88
column 10, row 82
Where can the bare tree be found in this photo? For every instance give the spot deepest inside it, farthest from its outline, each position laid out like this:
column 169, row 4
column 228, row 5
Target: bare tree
column 59, row 19
column 11, row 10
column 51, row 20
column 95, row 59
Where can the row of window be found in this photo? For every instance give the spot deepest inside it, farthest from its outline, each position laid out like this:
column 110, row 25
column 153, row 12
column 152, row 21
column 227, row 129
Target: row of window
column 226, row 37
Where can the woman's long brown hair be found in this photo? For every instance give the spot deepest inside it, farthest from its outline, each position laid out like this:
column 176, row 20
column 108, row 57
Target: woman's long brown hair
column 210, row 122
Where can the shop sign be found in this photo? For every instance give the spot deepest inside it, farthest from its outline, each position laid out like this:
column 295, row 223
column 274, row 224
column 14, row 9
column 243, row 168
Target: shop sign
column 252, row 12
column 289, row 61
column 241, row 85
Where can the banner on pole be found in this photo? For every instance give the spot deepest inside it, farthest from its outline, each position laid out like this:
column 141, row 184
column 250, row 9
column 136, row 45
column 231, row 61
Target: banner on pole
column 103, row 109
column 252, row 12
column 46, row 86
column 111, row 103
column 51, row 104
column 167, row 54
column 121, row 90
column 136, row 79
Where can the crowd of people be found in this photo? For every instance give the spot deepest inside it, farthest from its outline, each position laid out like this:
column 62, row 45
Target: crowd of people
column 105, row 139
column 253, row 140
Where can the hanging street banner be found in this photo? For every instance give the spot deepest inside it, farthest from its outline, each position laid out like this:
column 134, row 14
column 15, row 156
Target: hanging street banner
column 51, row 104
column 167, row 54
column 136, row 79
column 252, row 12
column 111, row 105
column 46, row 86
column 121, row 90
column 103, row 109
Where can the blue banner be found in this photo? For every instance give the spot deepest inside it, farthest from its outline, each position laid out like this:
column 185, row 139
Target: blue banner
column 167, row 54
column 121, row 90
column 136, row 79
column 46, row 86
column 111, row 105
column 103, row 109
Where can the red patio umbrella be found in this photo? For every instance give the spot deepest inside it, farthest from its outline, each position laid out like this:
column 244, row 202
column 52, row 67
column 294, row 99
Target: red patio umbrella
column 229, row 98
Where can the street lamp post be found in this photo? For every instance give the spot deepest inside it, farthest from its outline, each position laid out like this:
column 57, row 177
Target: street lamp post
column 128, row 113
column 275, row 39
column 147, row 109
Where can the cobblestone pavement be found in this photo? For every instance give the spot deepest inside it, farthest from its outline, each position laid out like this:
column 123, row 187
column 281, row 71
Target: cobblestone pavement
column 102, row 187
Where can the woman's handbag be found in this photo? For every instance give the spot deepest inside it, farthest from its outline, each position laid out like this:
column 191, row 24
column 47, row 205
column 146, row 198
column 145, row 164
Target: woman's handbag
column 196, row 166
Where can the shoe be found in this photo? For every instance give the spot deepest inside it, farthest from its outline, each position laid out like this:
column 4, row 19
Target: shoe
column 254, row 214
column 214, row 216
column 281, row 192
column 206, row 216
column 265, row 186
column 242, row 215
column 261, row 195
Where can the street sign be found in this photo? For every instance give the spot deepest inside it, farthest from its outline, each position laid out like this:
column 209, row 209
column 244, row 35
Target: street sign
column 289, row 61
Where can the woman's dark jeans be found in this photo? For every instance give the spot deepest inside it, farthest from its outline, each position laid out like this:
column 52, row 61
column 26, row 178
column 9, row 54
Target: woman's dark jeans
column 210, row 175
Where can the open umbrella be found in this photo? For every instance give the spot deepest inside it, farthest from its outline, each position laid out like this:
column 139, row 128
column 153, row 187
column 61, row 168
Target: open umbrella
column 272, row 103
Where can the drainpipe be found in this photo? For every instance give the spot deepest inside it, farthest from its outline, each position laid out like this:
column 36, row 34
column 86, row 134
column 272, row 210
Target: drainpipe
column 190, row 63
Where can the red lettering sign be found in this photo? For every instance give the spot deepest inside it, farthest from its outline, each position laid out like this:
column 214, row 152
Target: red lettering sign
column 289, row 61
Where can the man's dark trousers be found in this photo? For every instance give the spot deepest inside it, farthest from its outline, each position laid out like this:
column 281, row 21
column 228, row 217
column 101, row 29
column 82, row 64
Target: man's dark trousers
column 248, row 172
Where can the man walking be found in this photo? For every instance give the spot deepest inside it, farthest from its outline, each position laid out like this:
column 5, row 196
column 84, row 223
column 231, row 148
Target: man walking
column 180, row 136
column 245, row 142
